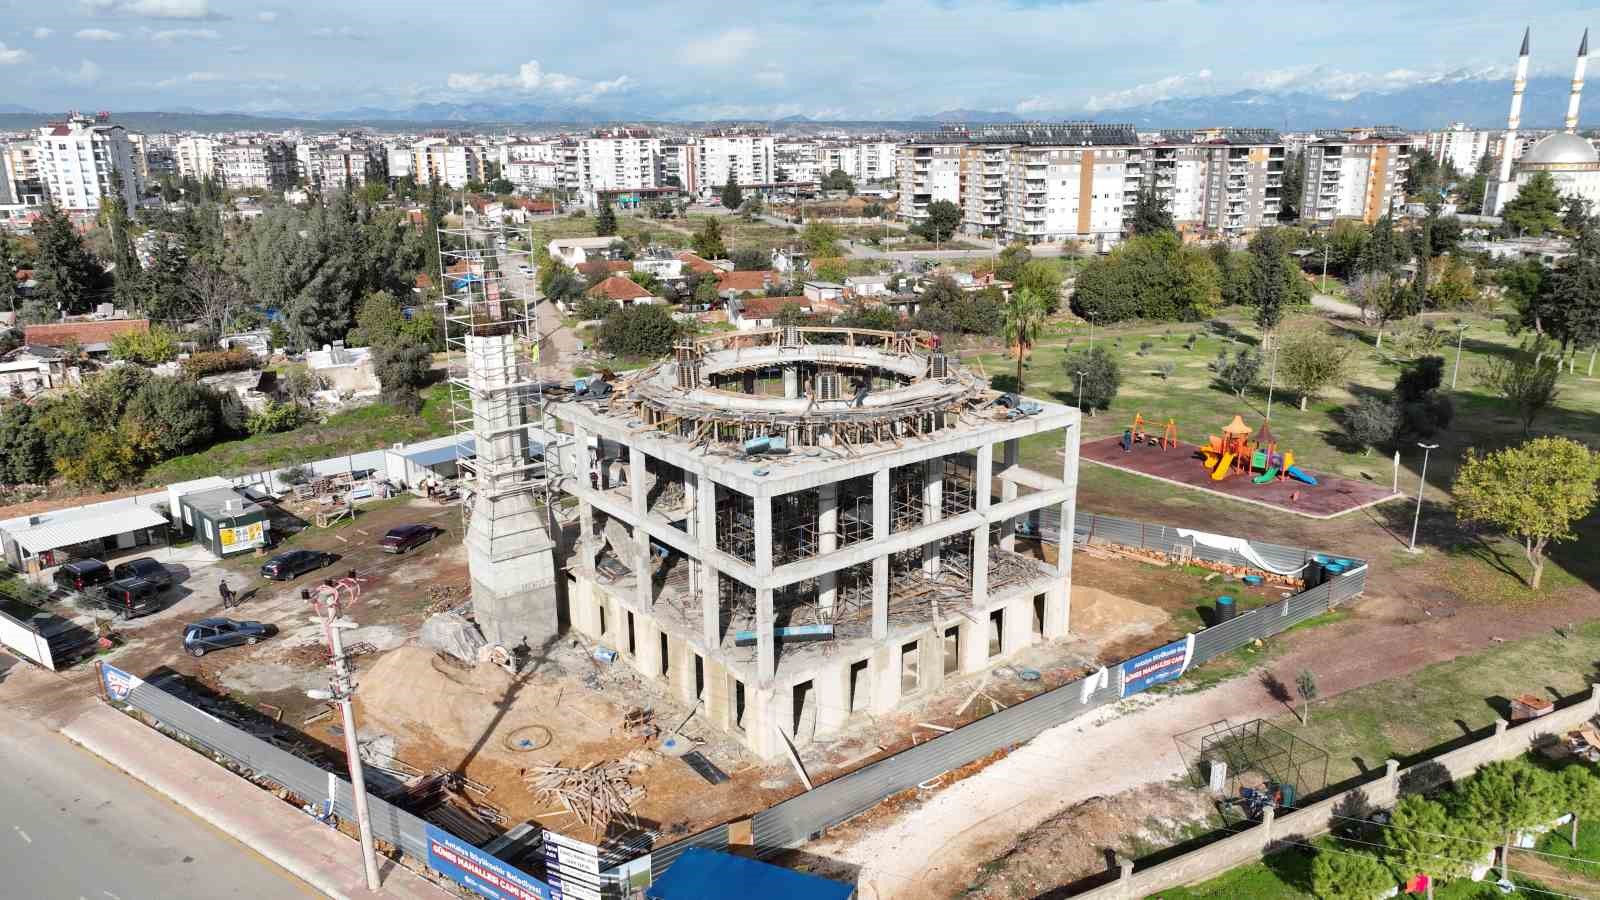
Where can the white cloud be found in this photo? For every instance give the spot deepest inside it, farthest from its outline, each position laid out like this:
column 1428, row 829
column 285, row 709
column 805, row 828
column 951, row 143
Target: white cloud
column 1342, row 85
column 191, row 78
column 601, row 88
column 238, row 49
column 720, row 50
column 97, row 34
column 1167, row 88
column 771, row 76
column 41, row 33
column 154, row 9
column 12, row 56
column 530, row 77
column 343, row 31
column 185, row 34
column 267, row 17
column 88, row 73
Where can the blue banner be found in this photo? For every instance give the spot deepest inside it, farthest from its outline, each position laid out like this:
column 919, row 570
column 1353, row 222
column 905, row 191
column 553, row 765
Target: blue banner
column 117, row 683
column 480, row 872
column 1157, row 666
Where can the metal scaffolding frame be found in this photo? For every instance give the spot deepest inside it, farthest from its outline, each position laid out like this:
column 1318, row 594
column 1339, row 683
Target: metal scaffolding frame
column 495, row 396
column 958, row 493
column 906, row 486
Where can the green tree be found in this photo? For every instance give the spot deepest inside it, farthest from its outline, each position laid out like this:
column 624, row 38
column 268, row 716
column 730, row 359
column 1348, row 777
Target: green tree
column 1534, row 492
column 1380, row 253
column 1454, row 284
column 1042, row 277
column 68, row 278
column 1507, row 795
column 1294, row 174
column 162, row 290
column 1150, row 214
column 403, row 370
column 1424, row 251
column 821, row 239
column 1423, row 175
column 277, row 417
column 104, row 460
column 1009, row 265
column 1471, row 192
column 941, row 221
column 1423, row 837
column 1100, row 376
column 750, row 208
column 707, row 242
column 832, row 269
column 1536, row 209
column 1528, row 380
column 605, row 224
column 792, row 313
column 1572, row 312
column 1383, row 299
column 838, row 180
column 1347, row 875
column 732, row 196
column 747, row 259
column 1021, row 315
column 1371, row 423
column 1310, row 362
column 502, row 185
column 8, row 275
column 169, row 416
column 639, row 331
column 24, row 455
column 147, row 348
column 1240, row 372
column 1305, row 687
column 876, row 318
column 1275, row 274
column 1154, row 277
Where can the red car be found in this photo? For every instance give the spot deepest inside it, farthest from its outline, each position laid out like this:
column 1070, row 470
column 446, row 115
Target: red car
column 406, row 537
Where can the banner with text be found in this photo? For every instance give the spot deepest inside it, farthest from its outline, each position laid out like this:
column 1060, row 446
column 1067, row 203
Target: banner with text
column 1160, row 665
column 480, row 872
column 117, row 683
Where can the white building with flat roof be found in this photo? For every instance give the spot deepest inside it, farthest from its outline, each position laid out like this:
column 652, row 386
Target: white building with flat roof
column 78, row 159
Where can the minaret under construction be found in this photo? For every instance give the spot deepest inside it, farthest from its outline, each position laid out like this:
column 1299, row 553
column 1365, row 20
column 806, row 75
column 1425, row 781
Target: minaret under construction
column 1577, row 84
column 1518, row 86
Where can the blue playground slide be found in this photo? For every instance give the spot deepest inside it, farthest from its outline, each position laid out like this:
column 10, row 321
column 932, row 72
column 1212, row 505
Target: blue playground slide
column 1298, row 475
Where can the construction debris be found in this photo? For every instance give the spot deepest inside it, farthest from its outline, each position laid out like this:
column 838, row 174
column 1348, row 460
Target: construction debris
column 597, row 794
column 450, row 633
column 641, row 723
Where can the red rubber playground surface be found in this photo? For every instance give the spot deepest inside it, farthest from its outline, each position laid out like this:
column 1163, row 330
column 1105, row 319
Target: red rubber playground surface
column 1181, row 465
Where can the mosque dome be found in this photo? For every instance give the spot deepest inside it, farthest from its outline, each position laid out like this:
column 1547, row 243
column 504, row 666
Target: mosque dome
column 1561, row 148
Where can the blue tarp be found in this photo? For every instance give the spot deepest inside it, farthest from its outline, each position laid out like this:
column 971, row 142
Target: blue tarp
column 435, row 456
column 701, row 874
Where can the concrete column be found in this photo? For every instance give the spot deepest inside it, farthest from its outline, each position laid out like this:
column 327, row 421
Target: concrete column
column 880, row 566
column 759, row 719
column 1058, row 611
column 1268, row 816
column 763, row 511
column 1018, row 625
column 1391, row 781
column 932, row 511
column 791, row 383
column 983, row 476
column 1500, row 733
column 932, row 653
column 719, row 697
column 644, row 579
column 832, row 685
column 582, row 610
column 588, row 544
column 680, row 670
column 1069, row 508
column 766, row 655
column 1008, row 491
column 884, row 670
column 636, row 485
column 781, row 707
column 647, row 645
column 975, row 644
column 980, row 566
column 827, row 542
column 705, row 520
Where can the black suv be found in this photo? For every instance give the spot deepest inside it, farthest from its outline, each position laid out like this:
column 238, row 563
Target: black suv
column 214, row 634
column 406, row 537
column 144, row 567
column 82, row 574
column 130, row 597
column 293, row 564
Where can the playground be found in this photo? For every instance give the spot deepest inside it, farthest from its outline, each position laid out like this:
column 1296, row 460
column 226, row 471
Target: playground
column 1239, row 463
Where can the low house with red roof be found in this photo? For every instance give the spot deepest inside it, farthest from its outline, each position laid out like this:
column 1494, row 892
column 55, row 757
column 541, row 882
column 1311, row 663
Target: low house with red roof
column 92, row 336
column 693, row 262
column 762, row 312
column 751, row 281
column 623, row 292
column 598, row 267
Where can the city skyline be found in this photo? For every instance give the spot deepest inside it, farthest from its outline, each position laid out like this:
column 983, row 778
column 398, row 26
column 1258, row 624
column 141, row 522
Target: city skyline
column 1061, row 60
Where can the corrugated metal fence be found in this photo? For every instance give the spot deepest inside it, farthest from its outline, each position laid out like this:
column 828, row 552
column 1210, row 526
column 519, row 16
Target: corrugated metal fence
column 798, row 819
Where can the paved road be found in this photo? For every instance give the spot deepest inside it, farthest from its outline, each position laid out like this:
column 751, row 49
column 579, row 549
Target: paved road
column 1332, row 304
column 74, row 828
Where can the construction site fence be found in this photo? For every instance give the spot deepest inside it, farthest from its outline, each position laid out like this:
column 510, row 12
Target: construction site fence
column 799, row 819
column 262, row 761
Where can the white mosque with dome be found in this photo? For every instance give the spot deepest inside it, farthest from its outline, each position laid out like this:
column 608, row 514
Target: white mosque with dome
column 1570, row 160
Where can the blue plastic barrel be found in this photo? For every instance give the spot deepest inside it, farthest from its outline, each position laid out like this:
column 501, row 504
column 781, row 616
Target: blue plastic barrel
column 1226, row 609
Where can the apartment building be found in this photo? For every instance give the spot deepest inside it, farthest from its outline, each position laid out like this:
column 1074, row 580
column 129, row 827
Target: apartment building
column 331, row 167
column 23, row 165
column 78, row 158
column 531, row 176
column 1218, row 181
column 928, row 168
column 678, row 165
column 864, row 161
column 748, row 158
column 1460, row 146
column 258, row 166
column 196, row 157
column 797, row 161
column 448, row 161
column 399, row 162
column 619, row 162
column 982, row 178
column 1357, row 173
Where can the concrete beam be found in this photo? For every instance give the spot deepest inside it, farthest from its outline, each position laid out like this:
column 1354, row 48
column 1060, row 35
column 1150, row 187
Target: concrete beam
column 932, row 511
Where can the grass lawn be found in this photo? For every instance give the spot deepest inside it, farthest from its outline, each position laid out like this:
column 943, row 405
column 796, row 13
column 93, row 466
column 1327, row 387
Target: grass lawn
column 351, row 431
column 1405, row 717
column 1584, row 860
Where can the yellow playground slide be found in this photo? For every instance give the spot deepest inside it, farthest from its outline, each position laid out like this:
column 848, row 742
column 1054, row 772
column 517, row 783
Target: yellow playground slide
column 1221, row 470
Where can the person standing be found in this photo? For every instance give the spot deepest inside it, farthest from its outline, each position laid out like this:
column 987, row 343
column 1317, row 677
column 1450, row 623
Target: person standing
column 227, row 595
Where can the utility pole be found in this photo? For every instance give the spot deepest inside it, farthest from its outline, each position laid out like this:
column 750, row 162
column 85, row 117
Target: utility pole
column 1091, row 331
column 1081, row 375
column 1324, row 268
column 1422, row 485
column 1461, row 331
column 340, row 687
column 1272, row 377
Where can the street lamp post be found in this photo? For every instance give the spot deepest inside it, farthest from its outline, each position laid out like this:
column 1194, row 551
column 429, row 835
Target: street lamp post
column 327, row 600
column 1325, row 268
column 1091, row 331
column 1422, row 484
column 1272, row 377
column 1461, row 331
column 1081, row 375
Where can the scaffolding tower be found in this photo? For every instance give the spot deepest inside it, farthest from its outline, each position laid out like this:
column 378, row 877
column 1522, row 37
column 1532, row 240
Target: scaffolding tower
column 491, row 339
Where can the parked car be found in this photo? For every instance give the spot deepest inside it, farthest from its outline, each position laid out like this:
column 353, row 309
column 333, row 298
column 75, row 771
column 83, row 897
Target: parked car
column 82, row 574
column 130, row 597
column 206, row 635
column 293, row 564
column 144, row 567
column 406, row 537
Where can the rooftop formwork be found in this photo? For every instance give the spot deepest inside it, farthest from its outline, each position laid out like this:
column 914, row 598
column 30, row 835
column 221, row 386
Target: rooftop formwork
column 790, row 560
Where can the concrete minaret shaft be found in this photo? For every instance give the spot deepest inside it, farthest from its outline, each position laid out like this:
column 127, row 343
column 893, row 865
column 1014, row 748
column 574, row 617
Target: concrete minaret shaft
column 1577, row 84
column 1517, row 87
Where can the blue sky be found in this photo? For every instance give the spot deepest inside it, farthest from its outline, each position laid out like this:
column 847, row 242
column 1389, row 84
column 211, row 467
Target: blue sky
column 701, row 59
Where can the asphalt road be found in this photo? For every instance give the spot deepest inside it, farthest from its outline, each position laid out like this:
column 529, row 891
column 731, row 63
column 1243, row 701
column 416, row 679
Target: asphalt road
column 74, row 828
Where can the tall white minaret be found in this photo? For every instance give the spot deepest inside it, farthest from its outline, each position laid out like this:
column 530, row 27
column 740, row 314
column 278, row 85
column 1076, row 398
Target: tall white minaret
column 1517, row 87
column 1577, row 84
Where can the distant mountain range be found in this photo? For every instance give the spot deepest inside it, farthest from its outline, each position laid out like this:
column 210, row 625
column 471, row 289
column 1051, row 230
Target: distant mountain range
column 1479, row 102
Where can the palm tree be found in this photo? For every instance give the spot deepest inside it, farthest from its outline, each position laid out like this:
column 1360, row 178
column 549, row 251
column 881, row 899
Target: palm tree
column 1021, row 315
